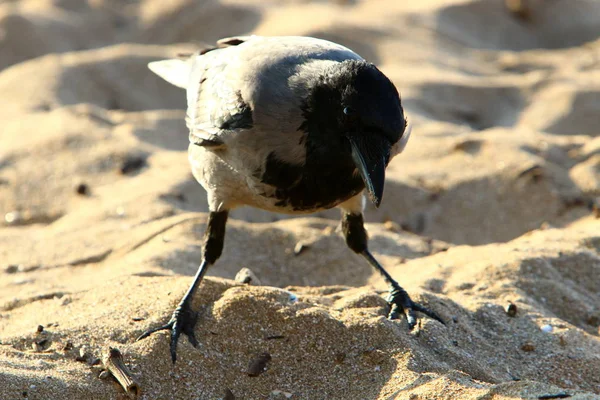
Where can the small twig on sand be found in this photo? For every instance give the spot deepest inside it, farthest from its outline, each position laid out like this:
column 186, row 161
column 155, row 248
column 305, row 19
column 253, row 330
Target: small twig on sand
column 113, row 363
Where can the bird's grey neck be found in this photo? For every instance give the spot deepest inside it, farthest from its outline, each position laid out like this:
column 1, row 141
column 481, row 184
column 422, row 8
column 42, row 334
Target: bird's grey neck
column 308, row 74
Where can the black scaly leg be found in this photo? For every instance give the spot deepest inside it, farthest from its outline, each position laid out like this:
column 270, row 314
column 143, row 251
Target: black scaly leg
column 399, row 300
column 184, row 318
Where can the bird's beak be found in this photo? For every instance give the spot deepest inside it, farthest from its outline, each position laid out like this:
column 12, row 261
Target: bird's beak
column 371, row 154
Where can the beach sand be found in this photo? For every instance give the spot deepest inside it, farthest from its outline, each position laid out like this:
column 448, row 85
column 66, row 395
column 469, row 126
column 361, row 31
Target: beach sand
column 494, row 206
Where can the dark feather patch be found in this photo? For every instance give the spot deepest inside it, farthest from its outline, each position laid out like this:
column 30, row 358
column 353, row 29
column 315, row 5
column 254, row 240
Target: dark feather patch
column 325, row 180
column 280, row 174
column 315, row 191
column 239, row 118
column 371, row 99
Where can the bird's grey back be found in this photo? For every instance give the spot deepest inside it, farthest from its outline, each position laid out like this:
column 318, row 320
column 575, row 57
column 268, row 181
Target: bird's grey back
column 255, row 87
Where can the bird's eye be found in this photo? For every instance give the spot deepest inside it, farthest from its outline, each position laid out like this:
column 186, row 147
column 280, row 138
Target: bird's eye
column 348, row 111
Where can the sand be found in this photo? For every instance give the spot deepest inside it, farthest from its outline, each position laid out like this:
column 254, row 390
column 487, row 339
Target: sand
column 495, row 202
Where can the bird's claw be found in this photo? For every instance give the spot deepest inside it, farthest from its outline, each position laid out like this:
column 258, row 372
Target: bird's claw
column 183, row 321
column 401, row 303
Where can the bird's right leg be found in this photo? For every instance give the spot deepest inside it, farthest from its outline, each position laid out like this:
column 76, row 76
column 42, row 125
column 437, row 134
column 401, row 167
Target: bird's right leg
column 399, row 300
column 184, row 318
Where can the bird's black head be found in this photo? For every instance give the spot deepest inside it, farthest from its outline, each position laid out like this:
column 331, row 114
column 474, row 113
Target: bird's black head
column 354, row 111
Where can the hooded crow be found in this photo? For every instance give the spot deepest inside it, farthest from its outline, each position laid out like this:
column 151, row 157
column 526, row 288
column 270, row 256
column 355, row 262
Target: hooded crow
column 290, row 125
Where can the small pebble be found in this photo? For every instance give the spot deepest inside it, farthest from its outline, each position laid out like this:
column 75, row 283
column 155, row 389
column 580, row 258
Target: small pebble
column 68, row 346
column 293, row 298
column 245, row 275
column 131, row 164
column 276, row 392
column 511, row 309
column 82, row 189
column 40, row 328
column 82, row 357
column 528, row 347
column 22, row 281
column 104, row 374
column 547, row 328
column 259, row 364
column 392, row 226
column 13, row 217
column 11, row 269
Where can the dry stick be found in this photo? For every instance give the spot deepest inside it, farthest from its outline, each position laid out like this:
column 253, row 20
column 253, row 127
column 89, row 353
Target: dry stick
column 113, row 362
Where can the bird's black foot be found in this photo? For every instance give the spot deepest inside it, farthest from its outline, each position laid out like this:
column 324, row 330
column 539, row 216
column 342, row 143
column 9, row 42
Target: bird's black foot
column 401, row 303
column 183, row 321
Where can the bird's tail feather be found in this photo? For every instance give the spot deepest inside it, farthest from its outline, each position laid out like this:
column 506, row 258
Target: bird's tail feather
column 175, row 71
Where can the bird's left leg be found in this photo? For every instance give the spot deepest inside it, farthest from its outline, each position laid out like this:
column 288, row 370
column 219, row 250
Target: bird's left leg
column 184, row 318
column 399, row 300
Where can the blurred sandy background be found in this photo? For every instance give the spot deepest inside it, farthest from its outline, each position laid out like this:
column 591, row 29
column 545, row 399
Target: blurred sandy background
column 495, row 201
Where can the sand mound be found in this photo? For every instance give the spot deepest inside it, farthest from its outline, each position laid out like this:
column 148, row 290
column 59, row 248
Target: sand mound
column 548, row 25
column 320, row 339
column 491, row 205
